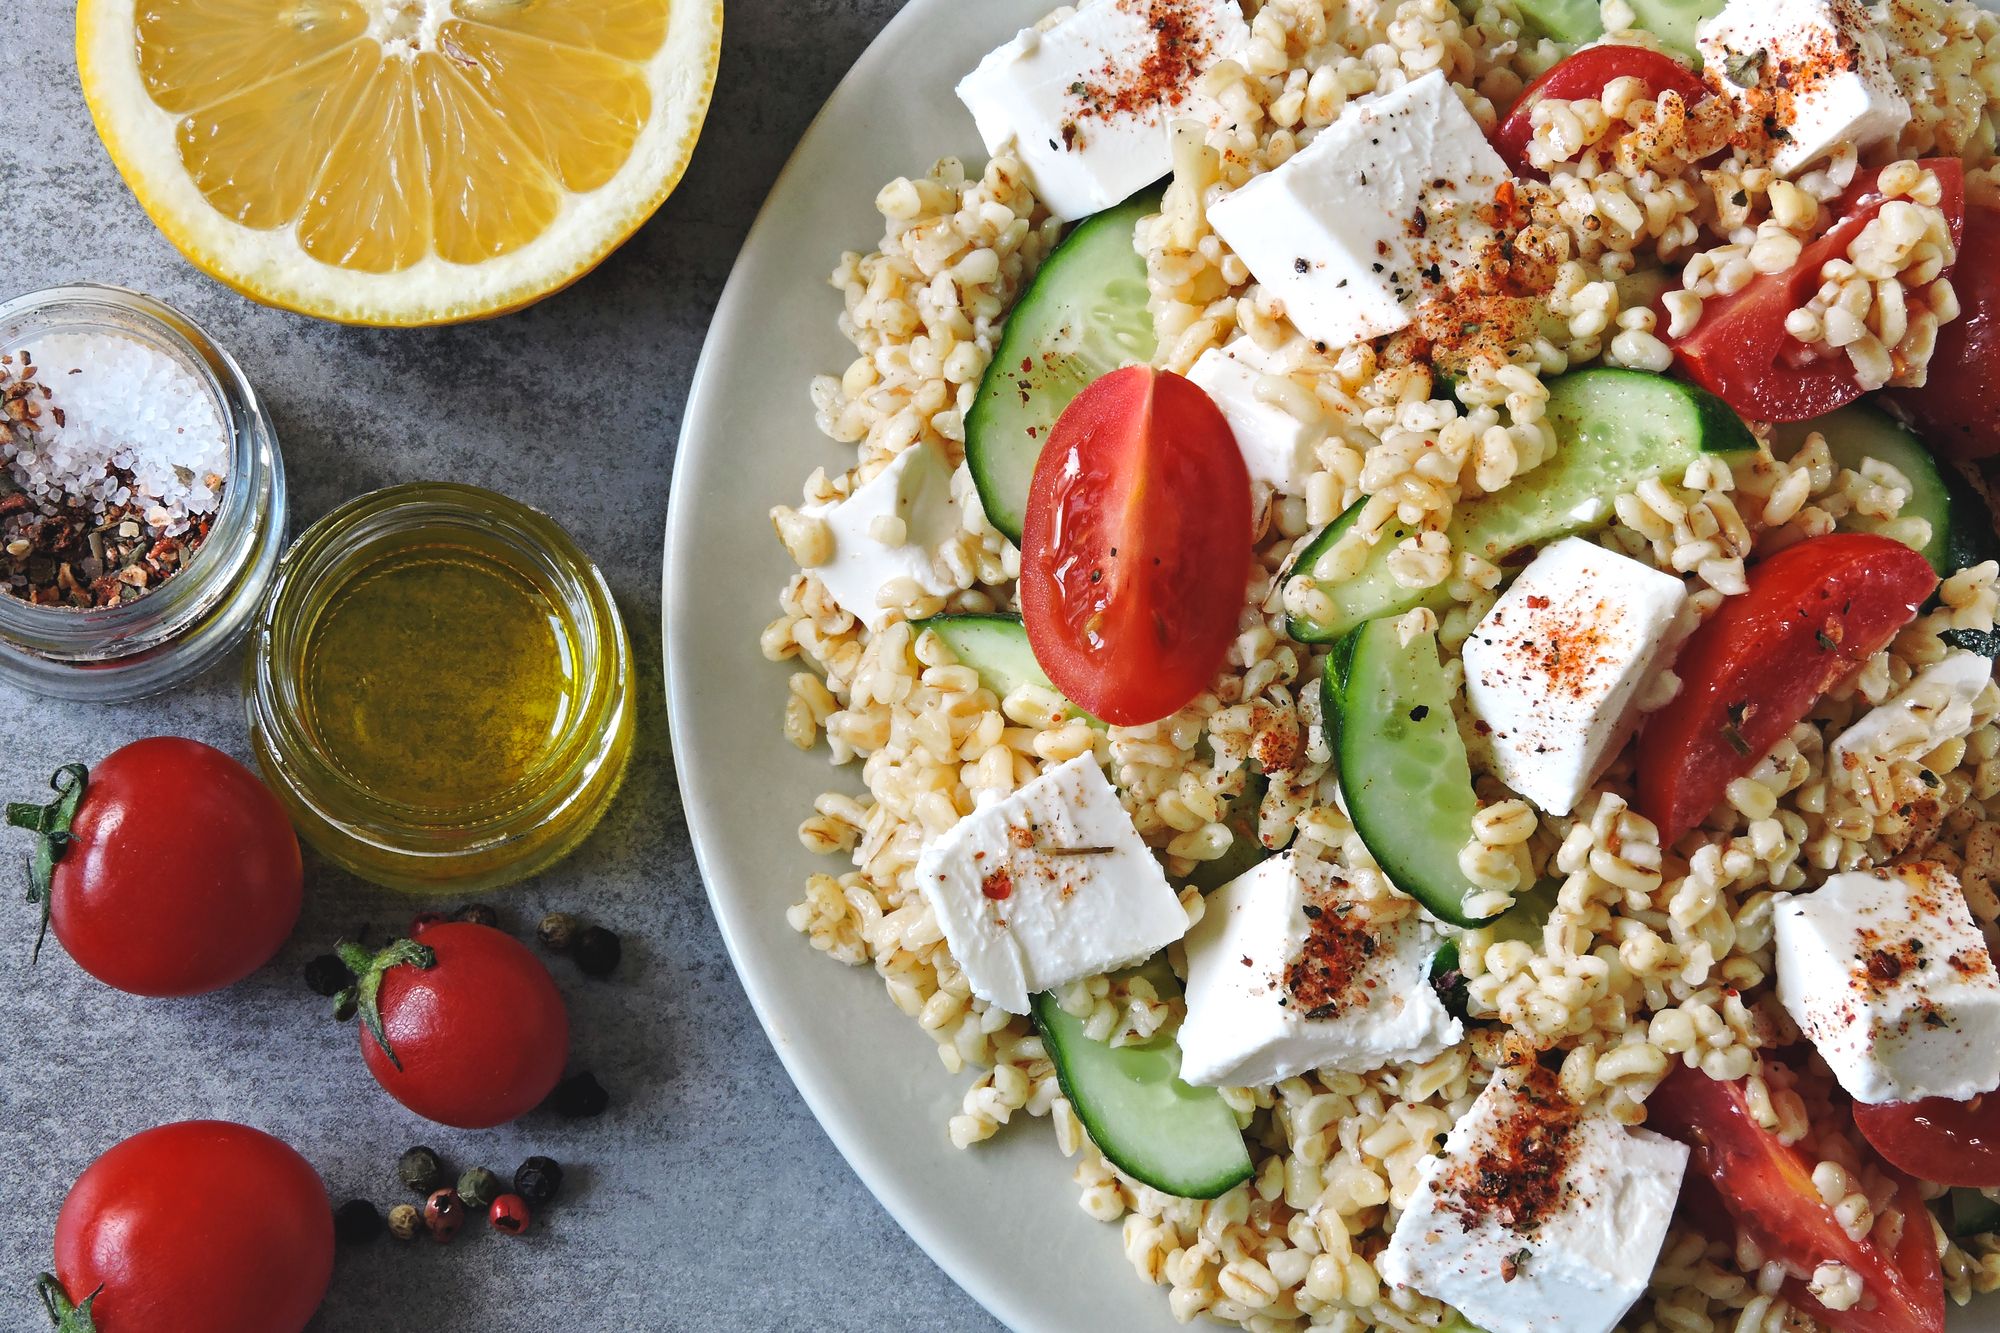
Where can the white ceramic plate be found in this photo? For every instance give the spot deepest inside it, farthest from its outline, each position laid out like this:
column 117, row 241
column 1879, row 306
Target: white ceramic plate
column 1001, row 1219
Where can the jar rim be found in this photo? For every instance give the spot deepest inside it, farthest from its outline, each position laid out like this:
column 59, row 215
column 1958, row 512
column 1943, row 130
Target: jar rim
column 343, row 543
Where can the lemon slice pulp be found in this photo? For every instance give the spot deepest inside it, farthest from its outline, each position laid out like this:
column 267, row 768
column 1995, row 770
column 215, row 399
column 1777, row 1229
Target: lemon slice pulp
column 399, row 161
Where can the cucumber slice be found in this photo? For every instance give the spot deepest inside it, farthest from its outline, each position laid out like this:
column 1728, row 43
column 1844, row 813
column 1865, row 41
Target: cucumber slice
column 1403, row 771
column 995, row 645
column 1156, row 1129
column 1571, row 21
column 1972, row 1213
column 1984, row 642
column 1961, row 524
column 1674, row 21
column 1523, row 921
column 1083, row 315
column 1614, row 429
column 1239, row 813
column 1454, row 1322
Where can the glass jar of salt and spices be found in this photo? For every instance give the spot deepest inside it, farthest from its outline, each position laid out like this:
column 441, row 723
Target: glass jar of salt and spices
column 438, row 680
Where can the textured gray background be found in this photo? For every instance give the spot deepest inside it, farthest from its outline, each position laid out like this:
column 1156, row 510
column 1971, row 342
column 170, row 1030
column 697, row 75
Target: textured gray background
column 706, row 1198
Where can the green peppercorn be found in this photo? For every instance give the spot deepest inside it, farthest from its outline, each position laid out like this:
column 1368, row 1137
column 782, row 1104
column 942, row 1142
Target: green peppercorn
column 423, row 1171
column 356, row 1222
column 444, row 1216
column 405, row 1221
column 580, row 1096
column 479, row 914
column 479, row 1187
column 557, row 932
column 538, row 1180
column 328, row 976
column 597, row 951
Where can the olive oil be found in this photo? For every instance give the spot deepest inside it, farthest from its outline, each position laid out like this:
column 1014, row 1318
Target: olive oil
column 439, row 677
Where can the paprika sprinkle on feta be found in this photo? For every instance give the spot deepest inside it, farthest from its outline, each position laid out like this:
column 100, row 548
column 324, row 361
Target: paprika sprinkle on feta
column 1145, row 78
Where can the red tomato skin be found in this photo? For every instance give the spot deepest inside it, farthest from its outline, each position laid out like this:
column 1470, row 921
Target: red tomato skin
column 483, row 1036
column 1952, row 1143
column 1136, row 546
column 184, row 874
column 195, row 1227
column 1585, row 74
column 1813, row 612
column 1738, row 351
column 1958, row 408
column 1767, row 1188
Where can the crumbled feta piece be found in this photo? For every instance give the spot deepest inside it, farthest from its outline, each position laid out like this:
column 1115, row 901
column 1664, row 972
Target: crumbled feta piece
column 1289, row 969
column 915, row 490
column 1046, row 886
column 1277, row 446
column 1936, row 706
column 1815, row 73
column 1379, row 210
column 1087, row 101
column 1553, row 668
column 1887, row 975
column 1537, row 1218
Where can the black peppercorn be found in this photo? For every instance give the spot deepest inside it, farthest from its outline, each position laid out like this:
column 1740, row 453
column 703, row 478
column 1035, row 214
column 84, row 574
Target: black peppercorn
column 479, row 914
column 444, row 1215
column 597, row 951
column 538, row 1180
column 405, row 1221
column 356, row 1222
column 479, row 1187
column 328, row 976
column 423, row 1171
column 580, row 1097
column 557, row 932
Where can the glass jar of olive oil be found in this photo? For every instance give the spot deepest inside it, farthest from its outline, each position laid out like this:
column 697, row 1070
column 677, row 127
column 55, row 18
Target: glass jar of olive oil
column 439, row 688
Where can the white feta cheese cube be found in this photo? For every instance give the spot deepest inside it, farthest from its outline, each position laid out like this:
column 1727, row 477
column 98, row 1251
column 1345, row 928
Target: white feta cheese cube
column 1936, row 706
column 1046, row 886
column 1553, row 668
column 1289, row 969
column 1537, row 1218
column 1086, row 102
column 1378, row 211
column 915, row 491
column 1277, row 446
column 1815, row 73
column 1887, row 975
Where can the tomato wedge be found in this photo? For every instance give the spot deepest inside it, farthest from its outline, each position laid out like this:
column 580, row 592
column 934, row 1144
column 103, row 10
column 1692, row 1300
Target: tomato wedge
column 1958, row 407
column 1135, row 549
column 1584, row 75
column 1953, row 1143
column 1813, row 612
column 1767, row 1188
column 1740, row 350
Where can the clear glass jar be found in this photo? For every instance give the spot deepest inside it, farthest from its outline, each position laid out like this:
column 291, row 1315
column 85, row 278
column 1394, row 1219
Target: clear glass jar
column 437, row 843
column 192, row 620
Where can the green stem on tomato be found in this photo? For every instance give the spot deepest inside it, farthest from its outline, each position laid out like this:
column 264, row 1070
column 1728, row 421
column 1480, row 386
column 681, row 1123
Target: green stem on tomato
column 51, row 826
column 66, row 1317
column 370, row 968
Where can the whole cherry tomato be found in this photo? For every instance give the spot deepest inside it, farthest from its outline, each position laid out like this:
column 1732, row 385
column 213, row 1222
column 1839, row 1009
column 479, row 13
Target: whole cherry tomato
column 1958, row 406
column 1953, row 1143
column 467, row 1027
column 1813, row 613
column 193, row 1228
column 1585, row 74
column 1135, row 550
column 168, row 869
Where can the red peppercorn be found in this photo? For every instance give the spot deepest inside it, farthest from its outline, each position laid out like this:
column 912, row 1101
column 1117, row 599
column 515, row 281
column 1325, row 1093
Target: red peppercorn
column 423, row 921
column 444, row 1215
column 509, row 1213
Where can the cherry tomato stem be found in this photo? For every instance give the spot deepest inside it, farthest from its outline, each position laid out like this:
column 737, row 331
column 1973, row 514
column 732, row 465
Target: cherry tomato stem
column 368, row 969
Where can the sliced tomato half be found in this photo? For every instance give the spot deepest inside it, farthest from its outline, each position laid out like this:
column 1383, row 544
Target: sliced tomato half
column 1768, row 1190
column 1585, row 74
column 1953, row 1143
column 1959, row 404
column 1740, row 350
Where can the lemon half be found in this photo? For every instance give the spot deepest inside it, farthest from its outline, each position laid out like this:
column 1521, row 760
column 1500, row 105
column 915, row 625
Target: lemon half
column 399, row 161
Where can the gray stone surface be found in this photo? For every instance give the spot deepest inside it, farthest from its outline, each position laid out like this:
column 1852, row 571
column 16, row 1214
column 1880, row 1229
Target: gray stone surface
column 707, row 1198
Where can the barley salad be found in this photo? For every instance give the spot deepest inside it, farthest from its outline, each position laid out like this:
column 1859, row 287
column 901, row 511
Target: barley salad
column 1512, row 841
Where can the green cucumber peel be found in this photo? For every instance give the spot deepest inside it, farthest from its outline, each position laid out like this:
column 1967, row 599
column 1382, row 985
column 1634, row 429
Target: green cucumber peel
column 51, row 826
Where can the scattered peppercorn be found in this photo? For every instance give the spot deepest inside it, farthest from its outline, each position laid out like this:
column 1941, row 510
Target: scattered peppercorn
column 479, row 1187
column 328, row 976
column 345, row 1006
column 423, row 1171
column 479, row 914
column 538, row 1180
column 423, row 921
column 509, row 1214
column 597, row 951
column 356, row 1222
column 405, row 1221
column 444, row 1216
column 557, row 932
column 580, row 1096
